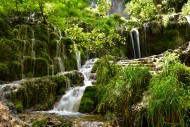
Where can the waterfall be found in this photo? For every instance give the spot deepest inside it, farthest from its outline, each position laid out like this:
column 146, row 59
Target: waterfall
column 77, row 57
column 138, row 42
column 61, row 65
column 33, row 43
column 135, row 41
column 59, row 51
column 188, row 18
column 69, row 102
column 145, row 26
column 132, row 42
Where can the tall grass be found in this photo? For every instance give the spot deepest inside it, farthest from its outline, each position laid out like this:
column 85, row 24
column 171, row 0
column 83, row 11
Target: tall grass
column 123, row 91
column 169, row 93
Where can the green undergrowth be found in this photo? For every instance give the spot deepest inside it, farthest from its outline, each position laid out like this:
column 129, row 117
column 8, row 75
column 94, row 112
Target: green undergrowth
column 168, row 102
column 132, row 95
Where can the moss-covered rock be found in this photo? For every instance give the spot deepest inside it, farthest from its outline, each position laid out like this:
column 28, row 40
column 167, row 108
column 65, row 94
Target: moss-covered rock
column 41, row 67
column 75, row 77
column 4, row 71
column 41, row 93
column 38, row 92
column 29, row 64
column 9, row 51
column 89, row 100
column 5, row 29
column 15, row 70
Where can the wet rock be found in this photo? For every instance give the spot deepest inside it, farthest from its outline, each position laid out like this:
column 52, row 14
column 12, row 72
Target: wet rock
column 7, row 118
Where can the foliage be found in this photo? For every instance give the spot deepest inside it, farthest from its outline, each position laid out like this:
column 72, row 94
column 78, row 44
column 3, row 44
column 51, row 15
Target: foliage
column 141, row 9
column 169, row 94
column 124, row 90
column 186, row 8
column 19, row 107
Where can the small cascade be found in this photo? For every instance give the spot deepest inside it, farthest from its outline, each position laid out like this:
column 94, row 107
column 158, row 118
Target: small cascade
column 33, row 52
column 5, row 89
column 188, row 18
column 69, row 102
column 78, row 57
column 135, row 41
column 60, row 51
column 132, row 42
column 33, row 43
column 93, row 4
column 61, row 65
column 145, row 26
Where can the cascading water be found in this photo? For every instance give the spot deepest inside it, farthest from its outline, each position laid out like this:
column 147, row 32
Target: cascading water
column 138, row 41
column 132, row 42
column 145, row 26
column 77, row 57
column 135, row 41
column 69, row 102
column 59, row 51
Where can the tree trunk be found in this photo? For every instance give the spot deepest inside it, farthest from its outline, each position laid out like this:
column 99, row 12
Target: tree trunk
column 42, row 11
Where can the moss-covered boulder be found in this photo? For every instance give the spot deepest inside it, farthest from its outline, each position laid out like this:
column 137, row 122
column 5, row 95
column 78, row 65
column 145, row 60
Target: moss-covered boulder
column 75, row 77
column 15, row 70
column 41, row 93
column 29, row 64
column 89, row 100
column 41, row 67
column 8, row 50
column 4, row 71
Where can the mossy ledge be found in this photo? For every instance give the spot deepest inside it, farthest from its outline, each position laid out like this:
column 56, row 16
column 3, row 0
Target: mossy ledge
column 41, row 93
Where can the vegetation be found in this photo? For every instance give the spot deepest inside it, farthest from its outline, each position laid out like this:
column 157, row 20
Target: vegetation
column 41, row 38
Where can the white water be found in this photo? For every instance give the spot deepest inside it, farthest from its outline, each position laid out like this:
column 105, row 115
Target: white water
column 61, row 65
column 6, row 88
column 137, row 41
column 77, row 57
column 69, row 103
column 188, row 18
column 145, row 25
column 132, row 41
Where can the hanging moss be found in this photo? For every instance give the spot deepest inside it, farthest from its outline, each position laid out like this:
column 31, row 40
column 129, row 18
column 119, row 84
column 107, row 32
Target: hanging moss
column 29, row 64
column 15, row 70
column 41, row 32
column 5, row 30
column 39, row 93
column 9, row 51
column 75, row 77
column 71, row 63
column 61, row 81
column 41, row 67
column 4, row 71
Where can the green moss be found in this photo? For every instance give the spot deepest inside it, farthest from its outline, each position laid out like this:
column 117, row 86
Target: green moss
column 4, row 71
column 62, row 84
column 75, row 77
column 19, row 107
column 41, row 67
column 39, row 123
column 5, row 30
column 29, row 64
column 66, row 124
column 15, row 70
column 89, row 100
column 41, row 32
column 71, row 63
column 9, row 51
